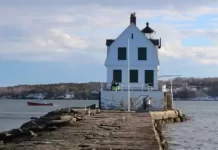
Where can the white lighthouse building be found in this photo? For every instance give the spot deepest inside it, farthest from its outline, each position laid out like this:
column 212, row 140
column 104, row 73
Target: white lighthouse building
column 132, row 61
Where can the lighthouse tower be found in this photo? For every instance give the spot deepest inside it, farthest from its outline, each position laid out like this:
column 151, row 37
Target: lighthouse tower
column 132, row 61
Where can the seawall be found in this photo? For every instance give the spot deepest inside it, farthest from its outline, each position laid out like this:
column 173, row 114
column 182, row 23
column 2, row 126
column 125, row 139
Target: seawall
column 160, row 118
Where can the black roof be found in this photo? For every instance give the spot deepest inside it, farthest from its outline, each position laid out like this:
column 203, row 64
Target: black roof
column 147, row 29
column 109, row 42
column 156, row 42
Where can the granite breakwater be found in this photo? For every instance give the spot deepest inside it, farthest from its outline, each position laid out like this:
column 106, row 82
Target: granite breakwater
column 91, row 128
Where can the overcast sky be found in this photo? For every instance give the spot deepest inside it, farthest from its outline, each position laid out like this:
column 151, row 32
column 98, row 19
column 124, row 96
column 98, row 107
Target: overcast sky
column 48, row 41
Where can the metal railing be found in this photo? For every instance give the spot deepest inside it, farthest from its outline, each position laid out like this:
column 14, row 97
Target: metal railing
column 131, row 87
column 139, row 101
column 119, row 104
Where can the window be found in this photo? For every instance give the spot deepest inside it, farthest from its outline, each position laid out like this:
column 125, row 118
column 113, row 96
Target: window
column 133, row 75
column 117, row 75
column 132, row 35
column 122, row 53
column 149, row 77
column 142, row 53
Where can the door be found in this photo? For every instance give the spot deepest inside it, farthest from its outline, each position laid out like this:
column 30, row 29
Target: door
column 149, row 77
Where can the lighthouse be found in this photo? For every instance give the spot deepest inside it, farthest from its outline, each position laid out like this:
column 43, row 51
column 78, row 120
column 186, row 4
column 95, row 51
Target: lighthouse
column 132, row 61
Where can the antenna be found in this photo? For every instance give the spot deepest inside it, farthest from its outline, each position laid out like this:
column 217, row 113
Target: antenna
column 128, row 77
column 169, row 76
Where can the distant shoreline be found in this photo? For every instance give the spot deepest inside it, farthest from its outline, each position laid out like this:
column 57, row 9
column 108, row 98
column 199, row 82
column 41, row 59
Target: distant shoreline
column 56, row 99
column 89, row 100
column 196, row 100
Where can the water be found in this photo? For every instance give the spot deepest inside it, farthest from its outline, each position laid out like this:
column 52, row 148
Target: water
column 13, row 113
column 200, row 132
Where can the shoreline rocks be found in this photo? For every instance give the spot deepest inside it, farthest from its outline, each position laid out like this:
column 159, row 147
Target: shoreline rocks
column 162, row 118
column 49, row 122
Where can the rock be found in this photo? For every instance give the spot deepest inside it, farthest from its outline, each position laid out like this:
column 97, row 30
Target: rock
column 55, row 117
column 2, row 136
column 180, row 114
column 48, row 122
column 72, row 111
column 79, row 118
column 58, row 112
column 33, row 118
column 57, row 123
column 98, row 111
column 89, row 112
column 33, row 124
column 178, row 119
column 66, row 117
column 93, row 106
column 64, row 110
column 74, row 119
column 86, row 111
column 15, row 133
column 33, row 134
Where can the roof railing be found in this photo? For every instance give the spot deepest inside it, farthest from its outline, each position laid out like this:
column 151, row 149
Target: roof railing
column 132, row 87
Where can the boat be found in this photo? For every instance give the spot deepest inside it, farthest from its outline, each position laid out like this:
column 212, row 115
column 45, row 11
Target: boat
column 39, row 104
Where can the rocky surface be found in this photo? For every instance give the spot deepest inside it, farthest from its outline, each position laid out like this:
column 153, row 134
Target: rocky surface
column 104, row 131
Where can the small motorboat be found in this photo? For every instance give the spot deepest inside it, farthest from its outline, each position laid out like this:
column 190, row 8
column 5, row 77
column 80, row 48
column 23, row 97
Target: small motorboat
column 39, row 104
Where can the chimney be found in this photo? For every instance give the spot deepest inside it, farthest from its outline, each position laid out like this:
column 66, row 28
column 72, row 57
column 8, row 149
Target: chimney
column 133, row 18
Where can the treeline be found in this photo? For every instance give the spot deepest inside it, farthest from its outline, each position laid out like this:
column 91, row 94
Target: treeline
column 52, row 91
column 183, row 88
column 195, row 87
column 197, row 82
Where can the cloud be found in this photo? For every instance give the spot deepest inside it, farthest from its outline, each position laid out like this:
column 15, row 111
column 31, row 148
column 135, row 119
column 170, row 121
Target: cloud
column 119, row 3
column 73, row 30
column 172, row 46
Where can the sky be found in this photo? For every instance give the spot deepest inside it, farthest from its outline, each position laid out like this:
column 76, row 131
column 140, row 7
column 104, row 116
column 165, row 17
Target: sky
column 57, row 41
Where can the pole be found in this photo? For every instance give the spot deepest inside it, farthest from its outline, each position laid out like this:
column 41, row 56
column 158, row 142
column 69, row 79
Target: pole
column 128, row 77
column 171, row 83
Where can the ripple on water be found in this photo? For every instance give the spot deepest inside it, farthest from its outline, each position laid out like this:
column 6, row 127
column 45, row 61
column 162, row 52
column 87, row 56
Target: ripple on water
column 200, row 132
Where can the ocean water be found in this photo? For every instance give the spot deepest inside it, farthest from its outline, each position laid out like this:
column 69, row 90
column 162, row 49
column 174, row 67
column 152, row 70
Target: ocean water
column 13, row 113
column 198, row 133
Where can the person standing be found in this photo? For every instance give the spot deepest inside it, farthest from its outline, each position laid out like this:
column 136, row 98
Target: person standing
column 144, row 104
column 117, row 86
column 148, row 103
column 113, row 85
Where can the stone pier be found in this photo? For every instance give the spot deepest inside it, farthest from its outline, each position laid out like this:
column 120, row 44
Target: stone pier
column 108, row 130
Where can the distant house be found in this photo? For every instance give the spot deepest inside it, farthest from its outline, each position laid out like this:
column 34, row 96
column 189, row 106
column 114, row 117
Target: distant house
column 36, row 96
column 205, row 88
column 29, row 96
column 95, row 92
column 69, row 95
column 189, row 88
column 178, row 89
column 193, row 89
